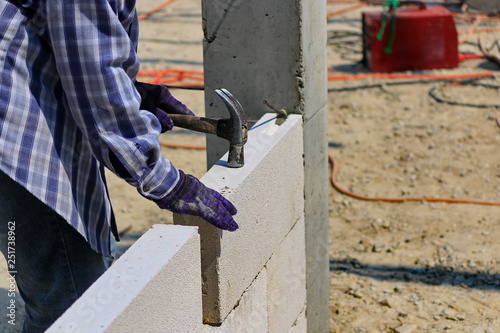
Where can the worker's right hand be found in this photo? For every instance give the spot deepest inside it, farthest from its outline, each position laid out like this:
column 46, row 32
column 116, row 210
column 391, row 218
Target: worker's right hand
column 191, row 197
column 158, row 100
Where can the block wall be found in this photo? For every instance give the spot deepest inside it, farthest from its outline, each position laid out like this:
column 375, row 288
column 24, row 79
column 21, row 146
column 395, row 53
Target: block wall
column 193, row 277
column 269, row 194
column 154, row 285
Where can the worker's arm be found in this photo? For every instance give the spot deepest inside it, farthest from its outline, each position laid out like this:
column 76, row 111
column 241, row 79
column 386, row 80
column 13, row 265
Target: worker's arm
column 97, row 63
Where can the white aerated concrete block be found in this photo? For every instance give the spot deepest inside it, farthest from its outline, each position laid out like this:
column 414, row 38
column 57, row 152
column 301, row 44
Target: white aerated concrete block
column 300, row 325
column 250, row 315
column 286, row 276
column 269, row 194
column 155, row 286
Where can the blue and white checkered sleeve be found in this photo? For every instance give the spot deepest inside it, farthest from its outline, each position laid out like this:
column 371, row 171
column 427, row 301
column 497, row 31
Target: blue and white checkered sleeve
column 97, row 63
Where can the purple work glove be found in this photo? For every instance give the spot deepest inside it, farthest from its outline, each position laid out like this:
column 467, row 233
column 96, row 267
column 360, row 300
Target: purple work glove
column 191, row 197
column 158, row 100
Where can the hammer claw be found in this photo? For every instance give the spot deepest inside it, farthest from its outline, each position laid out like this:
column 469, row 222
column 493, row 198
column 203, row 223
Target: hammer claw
column 231, row 102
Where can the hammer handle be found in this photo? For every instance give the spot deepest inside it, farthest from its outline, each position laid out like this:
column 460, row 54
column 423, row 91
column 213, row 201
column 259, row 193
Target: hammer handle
column 197, row 124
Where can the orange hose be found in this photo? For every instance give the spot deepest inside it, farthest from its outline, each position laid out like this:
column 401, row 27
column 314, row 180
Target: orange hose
column 468, row 56
column 471, row 17
column 483, row 29
column 154, row 10
column 470, row 30
column 399, row 200
column 154, row 72
column 345, row 10
column 408, row 76
column 164, row 76
column 354, row 195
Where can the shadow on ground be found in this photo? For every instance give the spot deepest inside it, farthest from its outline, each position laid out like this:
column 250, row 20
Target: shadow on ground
column 433, row 275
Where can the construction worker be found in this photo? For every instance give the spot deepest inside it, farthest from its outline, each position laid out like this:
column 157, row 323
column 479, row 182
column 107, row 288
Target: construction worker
column 70, row 106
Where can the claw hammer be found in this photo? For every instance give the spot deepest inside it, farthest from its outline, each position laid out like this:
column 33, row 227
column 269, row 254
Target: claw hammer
column 233, row 129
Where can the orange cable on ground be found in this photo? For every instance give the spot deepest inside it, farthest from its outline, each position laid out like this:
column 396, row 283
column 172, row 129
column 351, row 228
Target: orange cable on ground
column 345, row 10
column 154, row 10
column 409, row 76
column 164, row 76
column 399, row 200
column 470, row 30
column 357, row 196
column 469, row 56
column 481, row 29
column 471, row 17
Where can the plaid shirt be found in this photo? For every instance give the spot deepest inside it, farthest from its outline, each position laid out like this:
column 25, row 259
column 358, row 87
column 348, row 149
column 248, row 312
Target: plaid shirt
column 69, row 108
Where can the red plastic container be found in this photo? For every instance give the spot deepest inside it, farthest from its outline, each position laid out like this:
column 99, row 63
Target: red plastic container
column 423, row 38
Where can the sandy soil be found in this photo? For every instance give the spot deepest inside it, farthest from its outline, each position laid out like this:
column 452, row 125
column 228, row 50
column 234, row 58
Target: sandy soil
column 416, row 266
column 407, row 267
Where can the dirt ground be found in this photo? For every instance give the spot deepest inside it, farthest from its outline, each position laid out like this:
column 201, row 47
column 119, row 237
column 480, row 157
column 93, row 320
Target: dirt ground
column 416, row 266
column 395, row 267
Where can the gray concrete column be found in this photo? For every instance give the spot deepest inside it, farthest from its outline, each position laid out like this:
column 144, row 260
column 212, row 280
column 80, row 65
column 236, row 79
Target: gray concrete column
column 276, row 51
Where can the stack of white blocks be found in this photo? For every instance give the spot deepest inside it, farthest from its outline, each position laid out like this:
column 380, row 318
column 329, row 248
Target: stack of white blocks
column 153, row 286
column 252, row 280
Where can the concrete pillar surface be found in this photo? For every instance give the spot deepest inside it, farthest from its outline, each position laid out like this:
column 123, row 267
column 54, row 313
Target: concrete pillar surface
column 276, row 51
column 251, row 48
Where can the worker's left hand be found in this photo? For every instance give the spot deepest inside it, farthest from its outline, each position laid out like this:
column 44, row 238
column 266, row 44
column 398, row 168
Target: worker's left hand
column 191, row 197
column 158, row 100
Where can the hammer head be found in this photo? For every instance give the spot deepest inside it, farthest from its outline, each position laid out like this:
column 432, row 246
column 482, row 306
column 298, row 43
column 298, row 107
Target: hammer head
column 233, row 129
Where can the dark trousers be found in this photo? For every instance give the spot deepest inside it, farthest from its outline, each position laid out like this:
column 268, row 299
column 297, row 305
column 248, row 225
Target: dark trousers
column 51, row 262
